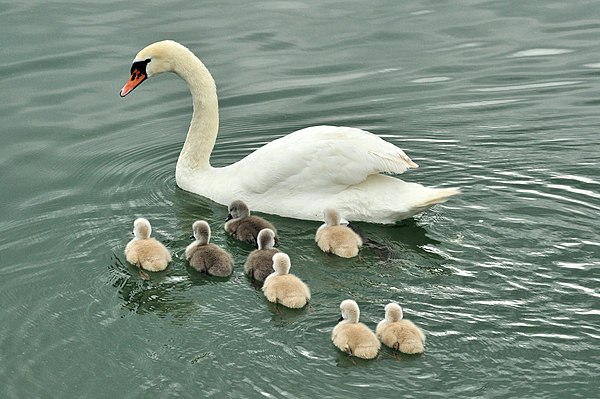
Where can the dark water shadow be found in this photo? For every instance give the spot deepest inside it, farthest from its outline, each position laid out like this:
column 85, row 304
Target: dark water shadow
column 281, row 315
column 160, row 293
column 389, row 354
column 404, row 243
column 344, row 360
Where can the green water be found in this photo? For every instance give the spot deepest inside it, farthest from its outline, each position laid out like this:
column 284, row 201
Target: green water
column 498, row 98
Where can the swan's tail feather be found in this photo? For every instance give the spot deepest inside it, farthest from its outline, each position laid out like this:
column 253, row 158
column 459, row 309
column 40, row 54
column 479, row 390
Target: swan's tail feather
column 433, row 197
column 440, row 195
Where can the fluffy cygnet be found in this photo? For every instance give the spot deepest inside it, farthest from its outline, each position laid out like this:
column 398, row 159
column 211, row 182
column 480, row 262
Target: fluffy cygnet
column 260, row 261
column 398, row 333
column 352, row 337
column 243, row 226
column 283, row 287
column 145, row 251
column 206, row 257
column 337, row 238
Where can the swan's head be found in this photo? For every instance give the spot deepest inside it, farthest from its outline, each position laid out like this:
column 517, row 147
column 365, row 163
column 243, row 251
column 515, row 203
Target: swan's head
column 332, row 217
column 238, row 209
column 153, row 60
column 281, row 263
column 350, row 311
column 266, row 239
column 393, row 312
column 201, row 231
column 142, row 228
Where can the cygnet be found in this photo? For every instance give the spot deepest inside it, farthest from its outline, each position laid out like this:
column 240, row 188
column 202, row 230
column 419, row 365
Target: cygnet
column 243, row 226
column 283, row 287
column 353, row 337
column 259, row 263
column 206, row 257
column 336, row 238
column 145, row 251
column 398, row 333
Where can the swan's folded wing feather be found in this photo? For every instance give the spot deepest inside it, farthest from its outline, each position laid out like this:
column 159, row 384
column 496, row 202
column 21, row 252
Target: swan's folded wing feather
column 324, row 158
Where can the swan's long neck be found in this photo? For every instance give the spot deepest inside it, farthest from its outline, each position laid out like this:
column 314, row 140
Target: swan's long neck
column 202, row 134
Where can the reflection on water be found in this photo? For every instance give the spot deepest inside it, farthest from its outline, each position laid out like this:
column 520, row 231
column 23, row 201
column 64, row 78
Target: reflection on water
column 160, row 294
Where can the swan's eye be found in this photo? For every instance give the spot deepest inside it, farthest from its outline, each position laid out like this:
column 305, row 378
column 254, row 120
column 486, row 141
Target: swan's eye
column 140, row 66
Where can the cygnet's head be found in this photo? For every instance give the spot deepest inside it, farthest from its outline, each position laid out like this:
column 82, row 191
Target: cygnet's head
column 142, row 228
column 201, row 231
column 159, row 57
column 393, row 312
column 238, row 209
column 281, row 263
column 266, row 239
column 332, row 217
column 350, row 311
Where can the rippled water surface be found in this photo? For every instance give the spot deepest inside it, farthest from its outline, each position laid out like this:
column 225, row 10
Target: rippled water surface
column 498, row 98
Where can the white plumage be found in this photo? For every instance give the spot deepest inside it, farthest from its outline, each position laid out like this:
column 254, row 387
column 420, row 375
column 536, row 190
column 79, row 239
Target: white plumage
column 297, row 175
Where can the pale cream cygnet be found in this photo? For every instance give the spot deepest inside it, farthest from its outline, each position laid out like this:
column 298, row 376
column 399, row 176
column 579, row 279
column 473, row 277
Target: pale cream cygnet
column 336, row 238
column 398, row 333
column 145, row 251
column 283, row 287
column 353, row 337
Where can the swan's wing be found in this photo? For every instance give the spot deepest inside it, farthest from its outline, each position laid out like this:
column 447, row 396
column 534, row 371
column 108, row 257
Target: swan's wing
column 324, row 158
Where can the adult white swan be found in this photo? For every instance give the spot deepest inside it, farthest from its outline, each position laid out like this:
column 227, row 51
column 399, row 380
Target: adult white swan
column 295, row 176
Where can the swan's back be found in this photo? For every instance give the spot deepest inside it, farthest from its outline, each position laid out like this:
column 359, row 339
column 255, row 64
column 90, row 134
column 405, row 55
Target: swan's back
column 311, row 159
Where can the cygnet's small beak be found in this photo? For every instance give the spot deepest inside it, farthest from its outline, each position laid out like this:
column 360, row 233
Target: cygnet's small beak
column 229, row 217
column 137, row 77
column 192, row 237
column 341, row 319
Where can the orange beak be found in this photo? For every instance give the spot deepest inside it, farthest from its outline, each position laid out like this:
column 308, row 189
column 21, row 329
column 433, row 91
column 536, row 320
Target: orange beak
column 137, row 77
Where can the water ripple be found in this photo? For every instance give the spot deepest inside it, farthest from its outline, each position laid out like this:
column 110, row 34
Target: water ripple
column 541, row 52
column 527, row 86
